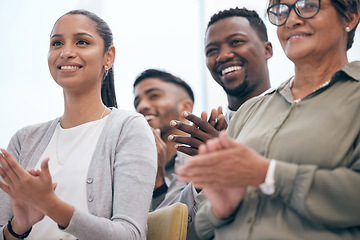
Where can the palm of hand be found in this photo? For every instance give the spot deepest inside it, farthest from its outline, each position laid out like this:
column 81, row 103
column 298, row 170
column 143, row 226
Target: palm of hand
column 161, row 157
column 161, row 152
column 26, row 214
column 224, row 201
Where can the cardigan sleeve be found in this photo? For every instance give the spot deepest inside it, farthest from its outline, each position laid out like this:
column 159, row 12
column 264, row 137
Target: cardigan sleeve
column 21, row 147
column 14, row 148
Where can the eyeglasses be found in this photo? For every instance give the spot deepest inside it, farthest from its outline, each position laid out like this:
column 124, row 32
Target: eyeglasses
column 279, row 13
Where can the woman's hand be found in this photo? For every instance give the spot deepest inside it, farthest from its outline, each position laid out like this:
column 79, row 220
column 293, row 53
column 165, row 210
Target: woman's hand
column 223, row 169
column 225, row 200
column 25, row 213
column 27, row 189
column 20, row 184
column 232, row 165
column 35, row 188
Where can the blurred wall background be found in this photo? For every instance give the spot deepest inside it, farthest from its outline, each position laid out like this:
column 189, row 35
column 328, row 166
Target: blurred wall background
column 164, row 34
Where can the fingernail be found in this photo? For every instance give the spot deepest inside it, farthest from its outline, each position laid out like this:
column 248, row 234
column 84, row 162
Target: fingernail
column 170, row 137
column 177, row 146
column 185, row 114
column 173, row 123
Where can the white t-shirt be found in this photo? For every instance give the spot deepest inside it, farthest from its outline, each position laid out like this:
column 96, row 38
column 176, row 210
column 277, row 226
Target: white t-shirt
column 70, row 151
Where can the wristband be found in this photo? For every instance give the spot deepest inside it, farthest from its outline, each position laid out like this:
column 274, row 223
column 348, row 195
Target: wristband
column 15, row 235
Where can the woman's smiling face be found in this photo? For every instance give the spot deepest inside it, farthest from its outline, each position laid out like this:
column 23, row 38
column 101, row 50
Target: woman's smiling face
column 320, row 36
column 76, row 56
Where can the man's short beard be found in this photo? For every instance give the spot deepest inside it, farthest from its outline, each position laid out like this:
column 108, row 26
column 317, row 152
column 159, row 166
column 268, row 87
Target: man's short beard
column 238, row 91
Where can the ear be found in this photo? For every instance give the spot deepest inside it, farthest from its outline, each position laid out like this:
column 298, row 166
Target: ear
column 109, row 57
column 354, row 19
column 268, row 50
column 185, row 105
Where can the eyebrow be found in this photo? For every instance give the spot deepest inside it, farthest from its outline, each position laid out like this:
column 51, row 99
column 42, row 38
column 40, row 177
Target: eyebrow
column 75, row 35
column 228, row 37
column 153, row 89
column 149, row 91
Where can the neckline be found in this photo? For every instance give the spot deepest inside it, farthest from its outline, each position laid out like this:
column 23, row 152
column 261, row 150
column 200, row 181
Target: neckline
column 81, row 125
column 324, row 84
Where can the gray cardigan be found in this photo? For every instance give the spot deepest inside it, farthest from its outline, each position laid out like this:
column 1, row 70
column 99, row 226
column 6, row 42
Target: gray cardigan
column 120, row 179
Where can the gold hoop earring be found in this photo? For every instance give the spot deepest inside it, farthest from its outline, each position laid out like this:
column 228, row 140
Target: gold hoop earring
column 347, row 29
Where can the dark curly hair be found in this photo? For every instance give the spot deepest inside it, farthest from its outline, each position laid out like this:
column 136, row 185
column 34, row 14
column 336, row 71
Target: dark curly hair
column 255, row 21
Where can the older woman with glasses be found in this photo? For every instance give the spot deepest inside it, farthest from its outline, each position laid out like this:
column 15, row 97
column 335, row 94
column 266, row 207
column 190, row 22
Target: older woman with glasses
column 294, row 170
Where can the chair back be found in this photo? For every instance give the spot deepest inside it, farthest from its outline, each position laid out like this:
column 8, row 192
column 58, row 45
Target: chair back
column 168, row 223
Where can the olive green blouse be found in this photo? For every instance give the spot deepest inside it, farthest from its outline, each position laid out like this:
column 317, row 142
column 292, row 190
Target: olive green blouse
column 316, row 144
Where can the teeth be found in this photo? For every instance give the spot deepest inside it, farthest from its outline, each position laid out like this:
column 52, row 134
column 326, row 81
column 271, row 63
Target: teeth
column 69, row 67
column 230, row 69
column 149, row 117
column 297, row 36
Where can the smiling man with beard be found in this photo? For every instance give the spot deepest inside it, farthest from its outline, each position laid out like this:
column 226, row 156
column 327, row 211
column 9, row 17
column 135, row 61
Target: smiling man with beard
column 237, row 50
column 161, row 97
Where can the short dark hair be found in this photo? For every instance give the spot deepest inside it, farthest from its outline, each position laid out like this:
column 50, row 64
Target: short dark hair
column 108, row 95
column 255, row 21
column 166, row 77
column 343, row 7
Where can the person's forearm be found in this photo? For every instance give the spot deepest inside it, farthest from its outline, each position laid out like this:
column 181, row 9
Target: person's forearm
column 7, row 235
column 18, row 229
column 58, row 210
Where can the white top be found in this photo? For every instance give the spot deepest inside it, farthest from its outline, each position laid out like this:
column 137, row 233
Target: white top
column 70, row 151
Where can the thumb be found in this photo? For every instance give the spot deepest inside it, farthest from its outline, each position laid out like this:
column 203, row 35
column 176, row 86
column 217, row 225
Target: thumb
column 45, row 172
column 225, row 140
column 158, row 132
column 220, row 110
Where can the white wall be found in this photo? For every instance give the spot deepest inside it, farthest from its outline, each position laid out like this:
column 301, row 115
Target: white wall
column 165, row 34
column 147, row 34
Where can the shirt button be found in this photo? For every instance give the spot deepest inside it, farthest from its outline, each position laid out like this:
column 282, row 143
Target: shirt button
column 89, row 180
column 90, row 199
